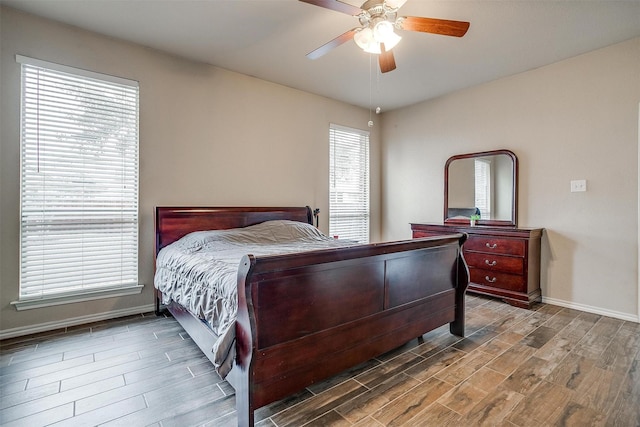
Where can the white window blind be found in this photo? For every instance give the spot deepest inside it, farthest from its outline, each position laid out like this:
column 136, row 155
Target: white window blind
column 79, row 184
column 483, row 187
column 349, row 183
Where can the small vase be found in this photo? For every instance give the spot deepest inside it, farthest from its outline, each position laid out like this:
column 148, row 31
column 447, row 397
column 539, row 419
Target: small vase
column 472, row 222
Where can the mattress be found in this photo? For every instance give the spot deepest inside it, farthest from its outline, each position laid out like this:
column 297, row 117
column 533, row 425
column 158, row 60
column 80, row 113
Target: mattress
column 200, row 270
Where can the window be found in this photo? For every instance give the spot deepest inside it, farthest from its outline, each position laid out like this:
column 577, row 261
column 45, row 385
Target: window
column 79, row 185
column 349, row 183
column 483, row 187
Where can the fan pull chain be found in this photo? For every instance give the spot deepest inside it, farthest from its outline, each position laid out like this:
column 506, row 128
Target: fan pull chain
column 378, row 109
column 370, row 91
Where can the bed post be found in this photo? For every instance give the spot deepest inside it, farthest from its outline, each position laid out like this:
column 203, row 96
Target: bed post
column 157, row 302
column 457, row 326
column 158, row 230
column 244, row 402
column 242, row 378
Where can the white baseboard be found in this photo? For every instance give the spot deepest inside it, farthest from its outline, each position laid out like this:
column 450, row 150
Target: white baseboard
column 591, row 309
column 50, row 326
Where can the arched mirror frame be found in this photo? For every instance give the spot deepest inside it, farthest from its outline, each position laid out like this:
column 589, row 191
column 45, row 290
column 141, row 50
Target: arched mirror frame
column 489, row 222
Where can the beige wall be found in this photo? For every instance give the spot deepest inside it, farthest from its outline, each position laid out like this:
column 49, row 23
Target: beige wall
column 207, row 137
column 576, row 119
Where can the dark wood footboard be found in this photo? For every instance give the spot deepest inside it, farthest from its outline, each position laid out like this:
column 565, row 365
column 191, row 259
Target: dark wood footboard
column 305, row 317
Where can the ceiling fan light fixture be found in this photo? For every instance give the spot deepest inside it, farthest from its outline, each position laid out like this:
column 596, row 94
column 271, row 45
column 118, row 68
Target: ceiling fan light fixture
column 381, row 30
column 383, row 33
column 365, row 40
column 363, row 37
column 374, row 48
column 391, row 40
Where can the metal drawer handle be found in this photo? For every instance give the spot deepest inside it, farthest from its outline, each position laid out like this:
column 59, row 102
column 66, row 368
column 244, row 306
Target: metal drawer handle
column 490, row 280
column 490, row 264
column 495, row 245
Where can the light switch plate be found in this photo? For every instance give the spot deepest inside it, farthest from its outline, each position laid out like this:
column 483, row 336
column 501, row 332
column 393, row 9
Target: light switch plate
column 578, row 185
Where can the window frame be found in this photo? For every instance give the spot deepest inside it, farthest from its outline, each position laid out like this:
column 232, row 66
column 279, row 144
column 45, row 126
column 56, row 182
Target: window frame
column 342, row 219
column 52, row 295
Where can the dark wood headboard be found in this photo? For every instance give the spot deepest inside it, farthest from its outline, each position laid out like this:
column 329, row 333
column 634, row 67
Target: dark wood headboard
column 172, row 223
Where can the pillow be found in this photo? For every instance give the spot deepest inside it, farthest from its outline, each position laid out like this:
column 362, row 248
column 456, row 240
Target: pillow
column 268, row 232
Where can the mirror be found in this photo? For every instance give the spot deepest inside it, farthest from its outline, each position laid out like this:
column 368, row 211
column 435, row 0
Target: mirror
column 484, row 183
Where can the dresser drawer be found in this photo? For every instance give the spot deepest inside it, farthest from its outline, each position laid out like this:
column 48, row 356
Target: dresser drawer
column 512, row 282
column 506, row 264
column 496, row 245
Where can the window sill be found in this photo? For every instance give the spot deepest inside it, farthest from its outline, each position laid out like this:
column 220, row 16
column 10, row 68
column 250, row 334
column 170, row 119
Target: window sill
column 48, row 301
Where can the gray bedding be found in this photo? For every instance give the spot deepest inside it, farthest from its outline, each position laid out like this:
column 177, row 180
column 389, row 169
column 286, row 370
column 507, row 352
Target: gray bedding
column 200, row 271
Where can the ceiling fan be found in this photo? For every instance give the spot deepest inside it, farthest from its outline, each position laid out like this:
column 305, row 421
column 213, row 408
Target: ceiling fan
column 376, row 35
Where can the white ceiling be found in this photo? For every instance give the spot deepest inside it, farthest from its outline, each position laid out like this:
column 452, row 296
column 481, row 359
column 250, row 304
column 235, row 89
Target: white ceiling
column 269, row 39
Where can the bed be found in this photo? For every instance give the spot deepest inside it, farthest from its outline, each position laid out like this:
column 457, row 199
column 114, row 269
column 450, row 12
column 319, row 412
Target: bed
column 305, row 316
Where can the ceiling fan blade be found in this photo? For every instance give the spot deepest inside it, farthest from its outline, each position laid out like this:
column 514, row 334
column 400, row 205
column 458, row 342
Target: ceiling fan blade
column 386, row 60
column 336, row 5
column 325, row 48
column 435, row 26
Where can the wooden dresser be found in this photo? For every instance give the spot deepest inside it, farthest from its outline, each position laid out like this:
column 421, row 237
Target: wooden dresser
column 504, row 262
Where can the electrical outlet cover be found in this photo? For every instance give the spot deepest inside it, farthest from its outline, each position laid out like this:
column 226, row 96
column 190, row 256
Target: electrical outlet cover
column 578, row 185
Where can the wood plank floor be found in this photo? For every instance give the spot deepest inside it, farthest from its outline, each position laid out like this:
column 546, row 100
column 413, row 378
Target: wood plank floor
column 544, row 367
